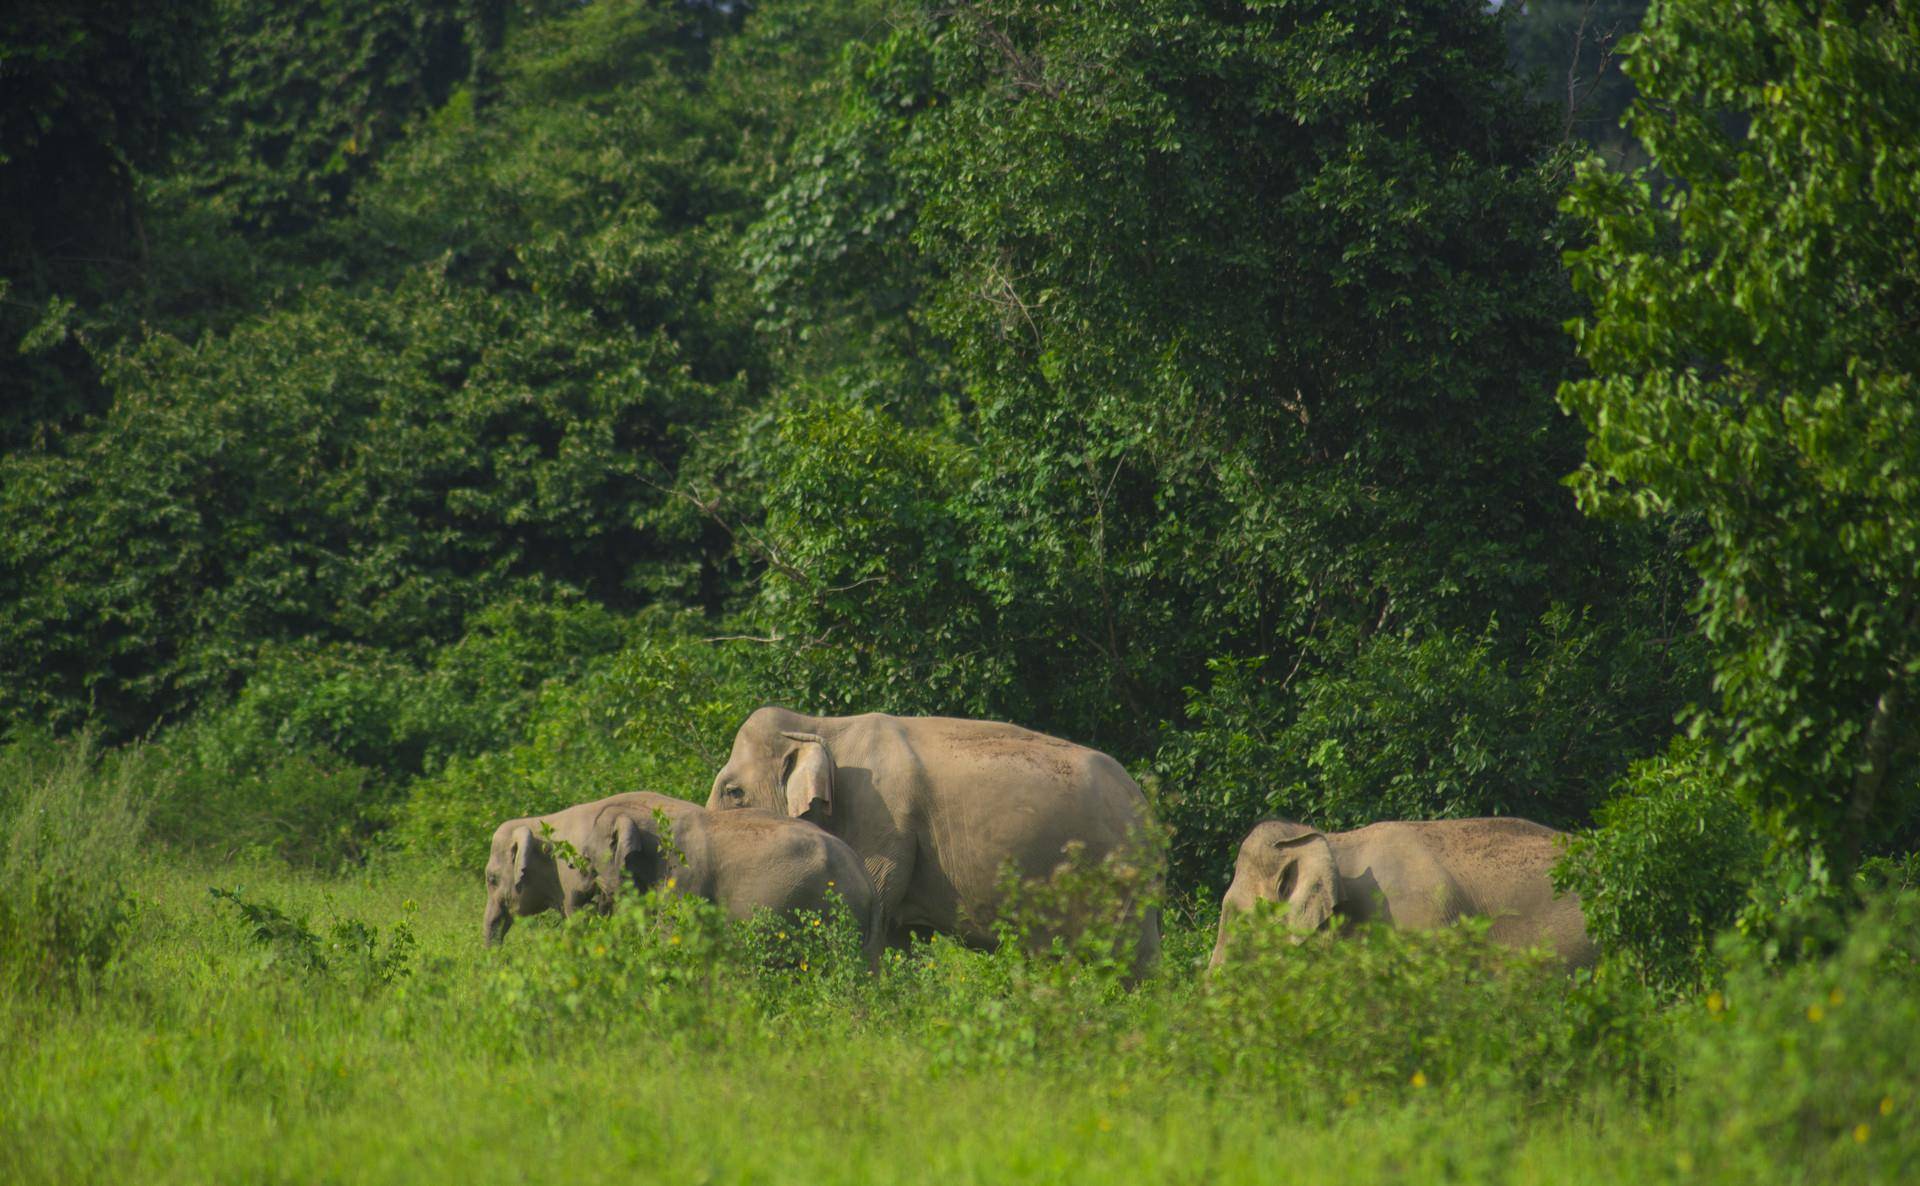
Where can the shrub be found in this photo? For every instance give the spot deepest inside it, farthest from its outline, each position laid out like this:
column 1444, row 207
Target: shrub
column 71, row 832
column 308, row 761
column 308, row 807
column 1666, row 869
column 1811, row 1065
column 1085, row 920
column 1417, row 725
column 656, row 956
column 657, row 715
column 1340, row 1018
column 347, row 952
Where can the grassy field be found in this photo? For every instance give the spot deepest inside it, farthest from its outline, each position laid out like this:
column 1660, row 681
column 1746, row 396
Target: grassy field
column 208, row 1054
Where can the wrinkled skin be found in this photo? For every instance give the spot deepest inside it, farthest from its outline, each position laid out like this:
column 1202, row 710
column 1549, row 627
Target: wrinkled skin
column 743, row 861
column 1414, row 875
column 936, row 806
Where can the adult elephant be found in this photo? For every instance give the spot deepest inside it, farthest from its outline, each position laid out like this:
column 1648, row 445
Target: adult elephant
column 1414, row 875
column 937, row 806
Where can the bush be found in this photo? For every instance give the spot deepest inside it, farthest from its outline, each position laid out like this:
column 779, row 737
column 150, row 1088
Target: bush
column 1425, row 725
column 347, row 952
column 657, row 956
column 308, row 761
column 1666, row 869
column 1385, row 1013
column 71, row 832
column 658, row 715
column 1811, row 1065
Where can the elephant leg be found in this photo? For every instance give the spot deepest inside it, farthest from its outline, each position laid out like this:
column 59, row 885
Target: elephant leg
column 1147, row 952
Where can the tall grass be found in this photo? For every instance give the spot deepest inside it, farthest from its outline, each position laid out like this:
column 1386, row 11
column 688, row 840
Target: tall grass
column 72, row 827
column 352, row 1028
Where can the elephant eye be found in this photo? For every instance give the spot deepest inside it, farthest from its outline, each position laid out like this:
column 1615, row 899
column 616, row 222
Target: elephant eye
column 736, row 794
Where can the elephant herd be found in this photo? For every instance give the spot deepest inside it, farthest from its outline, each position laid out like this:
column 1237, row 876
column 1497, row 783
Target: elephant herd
column 912, row 822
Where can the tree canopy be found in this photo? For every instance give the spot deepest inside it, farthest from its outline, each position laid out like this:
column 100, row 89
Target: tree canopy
column 415, row 410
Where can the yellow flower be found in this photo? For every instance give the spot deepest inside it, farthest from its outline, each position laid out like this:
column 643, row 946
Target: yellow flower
column 1715, row 1002
column 600, row 949
column 1837, row 995
column 1815, row 1013
column 1860, row 1132
column 783, row 934
column 1886, row 1105
column 803, row 965
column 1419, row 1079
column 673, row 940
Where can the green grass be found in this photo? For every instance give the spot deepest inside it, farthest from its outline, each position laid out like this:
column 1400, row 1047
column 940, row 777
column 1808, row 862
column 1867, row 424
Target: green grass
column 201, row 1056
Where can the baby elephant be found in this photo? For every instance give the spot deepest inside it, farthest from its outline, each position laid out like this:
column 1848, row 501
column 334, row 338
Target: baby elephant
column 1415, row 876
column 742, row 860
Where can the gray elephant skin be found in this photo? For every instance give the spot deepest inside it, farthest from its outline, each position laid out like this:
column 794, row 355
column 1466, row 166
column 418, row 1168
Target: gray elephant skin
column 1413, row 875
column 744, row 861
column 937, row 806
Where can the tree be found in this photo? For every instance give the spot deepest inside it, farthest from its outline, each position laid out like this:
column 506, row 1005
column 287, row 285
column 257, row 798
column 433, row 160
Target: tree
column 1755, row 340
column 88, row 95
column 514, row 331
column 1571, row 50
column 1249, row 321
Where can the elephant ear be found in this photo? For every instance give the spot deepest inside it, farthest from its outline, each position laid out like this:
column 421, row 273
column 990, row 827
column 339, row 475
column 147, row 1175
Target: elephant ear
column 636, row 854
column 1308, row 881
column 807, row 776
column 521, row 856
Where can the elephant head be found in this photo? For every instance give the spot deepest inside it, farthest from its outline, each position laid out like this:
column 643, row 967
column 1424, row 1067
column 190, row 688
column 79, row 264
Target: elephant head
column 779, row 770
column 522, row 877
column 1281, row 862
column 638, row 856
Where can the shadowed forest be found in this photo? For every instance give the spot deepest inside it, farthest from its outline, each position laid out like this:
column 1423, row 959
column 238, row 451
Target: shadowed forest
column 416, row 415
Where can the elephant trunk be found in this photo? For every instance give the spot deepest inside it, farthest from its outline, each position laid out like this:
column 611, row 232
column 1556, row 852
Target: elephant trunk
column 1219, row 946
column 498, row 920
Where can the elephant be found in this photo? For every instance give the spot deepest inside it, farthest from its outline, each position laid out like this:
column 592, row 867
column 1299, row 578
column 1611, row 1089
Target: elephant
column 1414, row 875
column 743, row 861
column 938, row 806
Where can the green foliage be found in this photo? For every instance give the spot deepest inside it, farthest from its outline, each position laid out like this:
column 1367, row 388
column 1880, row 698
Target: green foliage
column 1667, row 868
column 657, row 956
column 348, row 952
column 307, row 761
column 88, row 94
column 1810, row 1064
column 1754, row 371
column 308, row 807
column 1082, row 923
column 447, row 447
column 1343, row 1018
column 657, row 715
column 71, row 824
column 203, row 1034
column 831, row 257
column 865, row 564
column 1431, row 727
column 677, row 961
column 307, row 97
column 1120, row 448
column 1571, row 52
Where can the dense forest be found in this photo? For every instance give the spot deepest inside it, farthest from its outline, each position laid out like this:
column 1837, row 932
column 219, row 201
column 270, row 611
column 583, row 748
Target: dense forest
column 418, row 414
